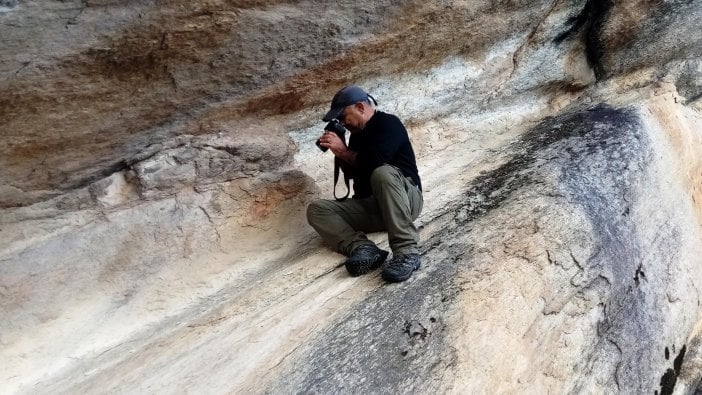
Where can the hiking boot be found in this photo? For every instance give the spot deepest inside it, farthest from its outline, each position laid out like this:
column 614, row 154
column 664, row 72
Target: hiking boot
column 365, row 258
column 401, row 267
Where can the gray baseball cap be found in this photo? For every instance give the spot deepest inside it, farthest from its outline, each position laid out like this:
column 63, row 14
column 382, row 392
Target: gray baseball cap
column 345, row 97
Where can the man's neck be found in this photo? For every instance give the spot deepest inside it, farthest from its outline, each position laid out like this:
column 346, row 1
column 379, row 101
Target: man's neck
column 370, row 116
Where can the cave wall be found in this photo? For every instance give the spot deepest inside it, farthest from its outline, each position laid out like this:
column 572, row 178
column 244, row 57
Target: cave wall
column 159, row 156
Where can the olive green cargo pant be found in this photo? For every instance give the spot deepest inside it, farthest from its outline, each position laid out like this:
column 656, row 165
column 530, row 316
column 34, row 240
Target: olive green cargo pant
column 395, row 204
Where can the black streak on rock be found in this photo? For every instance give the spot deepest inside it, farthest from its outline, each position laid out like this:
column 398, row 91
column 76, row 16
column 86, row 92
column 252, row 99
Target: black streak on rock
column 694, row 98
column 394, row 341
column 668, row 382
column 8, row 3
column 640, row 275
column 677, row 363
column 590, row 20
column 671, row 375
column 104, row 172
column 599, row 130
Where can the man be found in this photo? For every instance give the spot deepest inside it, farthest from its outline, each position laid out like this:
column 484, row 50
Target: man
column 387, row 189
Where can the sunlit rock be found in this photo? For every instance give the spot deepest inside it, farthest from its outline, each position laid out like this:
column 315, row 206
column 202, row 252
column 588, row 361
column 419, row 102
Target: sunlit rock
column 158, row 160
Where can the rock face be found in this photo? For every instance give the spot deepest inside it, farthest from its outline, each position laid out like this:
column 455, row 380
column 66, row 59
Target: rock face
column 158, row 158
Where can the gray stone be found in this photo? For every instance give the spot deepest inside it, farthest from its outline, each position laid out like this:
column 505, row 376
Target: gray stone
column 8, row 3
column 158, row 159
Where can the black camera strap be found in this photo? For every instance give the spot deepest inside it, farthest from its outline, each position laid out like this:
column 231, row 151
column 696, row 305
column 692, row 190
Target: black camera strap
column 336, row 127
column 337, row 166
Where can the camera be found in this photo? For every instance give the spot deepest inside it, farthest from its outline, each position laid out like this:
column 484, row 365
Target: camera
column 333, row 126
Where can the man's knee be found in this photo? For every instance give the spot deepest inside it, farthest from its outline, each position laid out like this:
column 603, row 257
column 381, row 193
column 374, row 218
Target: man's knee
column 383, row 175
column 314, row 210
column 318, row 210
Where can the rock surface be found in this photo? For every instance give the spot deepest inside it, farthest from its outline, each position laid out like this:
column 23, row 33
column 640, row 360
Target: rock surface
column 158, row 158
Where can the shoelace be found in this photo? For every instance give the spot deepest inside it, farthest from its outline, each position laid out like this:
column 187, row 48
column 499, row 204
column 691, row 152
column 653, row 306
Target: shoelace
column 404, row 260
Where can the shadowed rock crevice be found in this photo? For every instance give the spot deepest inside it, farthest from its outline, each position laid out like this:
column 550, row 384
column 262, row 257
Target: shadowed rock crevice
column 589, row 24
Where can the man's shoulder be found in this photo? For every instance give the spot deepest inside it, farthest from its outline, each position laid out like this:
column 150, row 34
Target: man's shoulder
column 387, row 119
column 385, row 115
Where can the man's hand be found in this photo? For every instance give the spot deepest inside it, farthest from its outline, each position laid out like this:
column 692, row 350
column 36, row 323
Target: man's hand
column 332, row 141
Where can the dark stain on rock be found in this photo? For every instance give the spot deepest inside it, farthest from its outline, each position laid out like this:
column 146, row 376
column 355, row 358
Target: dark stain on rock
column 415, row 330
column 590, row 23
column 396, row 330
column 677, row 363
column 387, row 343
column 668, row 382
column 572, row 138
column 8, row 4
column 651, row 33
column 670, row 377
column 285, row 102
column 638, row 276
column 127, row 62
column 411, row 47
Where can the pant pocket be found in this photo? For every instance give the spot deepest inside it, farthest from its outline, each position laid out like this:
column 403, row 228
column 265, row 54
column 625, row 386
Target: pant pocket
column 415, row 197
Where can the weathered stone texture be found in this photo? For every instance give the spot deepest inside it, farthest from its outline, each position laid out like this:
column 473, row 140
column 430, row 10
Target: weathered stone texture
column 158, row 157
column 588, row 288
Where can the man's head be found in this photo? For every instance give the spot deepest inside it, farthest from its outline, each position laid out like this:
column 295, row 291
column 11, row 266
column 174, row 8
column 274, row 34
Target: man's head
column 352, row 106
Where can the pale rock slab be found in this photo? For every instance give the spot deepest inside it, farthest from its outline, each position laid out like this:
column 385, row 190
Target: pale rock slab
column 158, row 158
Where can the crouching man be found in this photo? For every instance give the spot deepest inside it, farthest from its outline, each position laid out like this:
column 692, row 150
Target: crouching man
column 387, row 189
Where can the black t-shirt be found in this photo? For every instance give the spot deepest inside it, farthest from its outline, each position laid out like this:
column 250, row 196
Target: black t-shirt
column 384, row 140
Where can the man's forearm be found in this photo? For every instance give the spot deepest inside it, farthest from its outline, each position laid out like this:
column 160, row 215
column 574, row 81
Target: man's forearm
column 348, row 156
